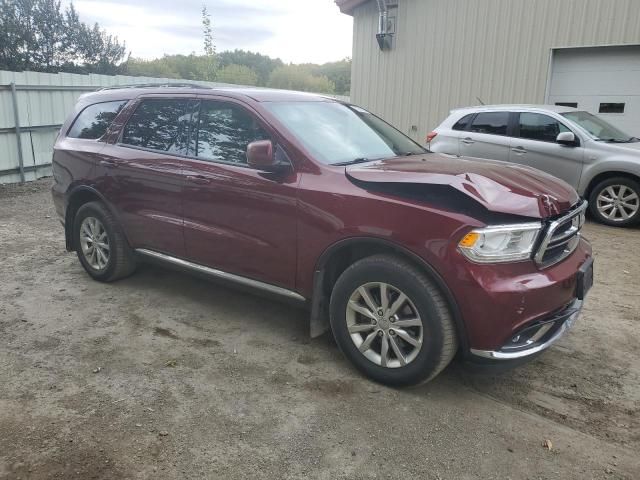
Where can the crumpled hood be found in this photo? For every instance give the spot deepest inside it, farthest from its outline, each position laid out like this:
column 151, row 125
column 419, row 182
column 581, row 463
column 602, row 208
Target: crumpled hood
column 498, row 186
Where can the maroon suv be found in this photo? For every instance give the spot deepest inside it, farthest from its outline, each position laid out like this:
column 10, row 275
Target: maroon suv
column 406, row 255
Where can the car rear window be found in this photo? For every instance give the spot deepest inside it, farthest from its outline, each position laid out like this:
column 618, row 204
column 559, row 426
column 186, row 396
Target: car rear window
column 93, row 121
column 159, row 124
column 494, row 123
column 463, row 123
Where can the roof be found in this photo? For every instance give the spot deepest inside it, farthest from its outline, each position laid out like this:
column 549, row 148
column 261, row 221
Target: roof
column 525, row 107
column 347, row 6
column 257, row 94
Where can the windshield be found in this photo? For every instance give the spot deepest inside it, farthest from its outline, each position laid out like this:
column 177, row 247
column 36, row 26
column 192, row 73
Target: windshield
column 339, row 134
column 598, row 128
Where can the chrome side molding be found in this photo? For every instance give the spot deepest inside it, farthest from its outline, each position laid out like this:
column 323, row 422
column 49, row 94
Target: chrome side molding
column 212, row 272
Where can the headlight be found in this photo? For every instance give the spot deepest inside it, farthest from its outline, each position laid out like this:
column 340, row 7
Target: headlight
column 505, row 243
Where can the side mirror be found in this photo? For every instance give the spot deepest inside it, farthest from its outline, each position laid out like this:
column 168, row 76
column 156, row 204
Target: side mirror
column 566, row 138
column 260, row 155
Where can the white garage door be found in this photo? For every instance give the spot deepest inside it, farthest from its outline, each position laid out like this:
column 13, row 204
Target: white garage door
column 601, row 80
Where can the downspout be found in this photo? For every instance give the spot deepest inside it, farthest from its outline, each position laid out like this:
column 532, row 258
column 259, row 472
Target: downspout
column 383, row 13
column 383, row 36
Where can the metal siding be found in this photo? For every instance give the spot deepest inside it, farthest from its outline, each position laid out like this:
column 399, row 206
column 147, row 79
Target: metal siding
column 448, row 52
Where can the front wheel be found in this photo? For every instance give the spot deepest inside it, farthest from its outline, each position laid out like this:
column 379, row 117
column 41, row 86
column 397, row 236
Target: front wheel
column 391, row 321
column 616, row 202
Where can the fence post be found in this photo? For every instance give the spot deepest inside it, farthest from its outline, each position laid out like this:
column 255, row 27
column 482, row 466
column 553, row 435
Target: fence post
column 16, row 118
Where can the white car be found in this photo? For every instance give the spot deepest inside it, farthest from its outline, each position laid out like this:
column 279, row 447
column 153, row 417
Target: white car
column 601, row 162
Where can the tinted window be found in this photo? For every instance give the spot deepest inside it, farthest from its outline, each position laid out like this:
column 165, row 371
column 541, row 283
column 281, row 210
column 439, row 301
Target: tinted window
column 463, row 123
column 159, row 125
column 224, row 132
column 567, row 104
column 94, row 120
column 536, row 126
column 491, row 122
column 611, row 108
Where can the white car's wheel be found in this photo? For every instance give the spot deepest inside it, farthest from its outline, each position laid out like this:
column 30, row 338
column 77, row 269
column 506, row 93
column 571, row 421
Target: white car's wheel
column 616, row 202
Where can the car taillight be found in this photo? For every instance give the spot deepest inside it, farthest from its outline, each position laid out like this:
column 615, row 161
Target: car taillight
column 431, row 136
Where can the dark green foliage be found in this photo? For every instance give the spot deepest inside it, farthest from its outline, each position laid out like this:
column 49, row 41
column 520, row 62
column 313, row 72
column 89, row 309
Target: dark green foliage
column 339, row 73
column 37, row 35
column 261, row 64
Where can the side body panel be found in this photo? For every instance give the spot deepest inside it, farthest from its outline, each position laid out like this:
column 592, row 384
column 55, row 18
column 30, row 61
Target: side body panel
column 558, row 160
column 145, row 189
column 484, row 145
column 240, row 220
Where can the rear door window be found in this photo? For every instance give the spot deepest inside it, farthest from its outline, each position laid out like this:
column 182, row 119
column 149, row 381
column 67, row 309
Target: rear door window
column 536, row 126
column 93, row 121
column 224, row 132
column 494, row 123
column 160, row 124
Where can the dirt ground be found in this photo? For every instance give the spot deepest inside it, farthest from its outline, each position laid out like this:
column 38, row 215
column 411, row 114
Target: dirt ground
column 166, row 376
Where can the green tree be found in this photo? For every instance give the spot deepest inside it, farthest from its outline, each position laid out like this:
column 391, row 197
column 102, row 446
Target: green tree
column 338, row 72
column 38, row 35
column 237, row 74
column 187, row 67
column 209, row 46
column 263, row 65
column 299, row 77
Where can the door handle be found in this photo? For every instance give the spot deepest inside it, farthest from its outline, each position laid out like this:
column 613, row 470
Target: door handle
column 108, row 163
column 468, row 141
column 519, row 150
column 199, row 179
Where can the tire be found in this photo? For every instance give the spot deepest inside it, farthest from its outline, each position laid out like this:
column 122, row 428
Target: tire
column 94, row 220
column 610, row 192
column 425, row 303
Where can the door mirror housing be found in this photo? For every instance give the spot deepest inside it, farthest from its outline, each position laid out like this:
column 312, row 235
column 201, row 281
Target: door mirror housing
column 261, row 156
column 567, row 138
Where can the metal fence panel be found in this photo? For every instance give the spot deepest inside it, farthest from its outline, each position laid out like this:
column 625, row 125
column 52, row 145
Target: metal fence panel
column 44, row 100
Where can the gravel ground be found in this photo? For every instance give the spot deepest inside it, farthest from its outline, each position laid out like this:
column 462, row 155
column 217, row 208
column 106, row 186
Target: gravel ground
column 167, row 376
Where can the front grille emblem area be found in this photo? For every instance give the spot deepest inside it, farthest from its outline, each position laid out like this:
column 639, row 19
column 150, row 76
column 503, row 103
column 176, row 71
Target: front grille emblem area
column 562, row 237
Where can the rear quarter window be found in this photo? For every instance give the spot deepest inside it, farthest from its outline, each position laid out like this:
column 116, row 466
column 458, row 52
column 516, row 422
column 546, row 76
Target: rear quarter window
column 463, row 123
column 93, row 121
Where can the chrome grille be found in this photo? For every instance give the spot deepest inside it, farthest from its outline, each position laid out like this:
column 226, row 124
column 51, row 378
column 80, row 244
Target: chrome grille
column 561, row 237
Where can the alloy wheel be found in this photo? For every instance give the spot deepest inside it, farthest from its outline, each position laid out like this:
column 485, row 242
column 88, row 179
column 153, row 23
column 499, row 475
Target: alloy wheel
column 94, row 242
column 618, row 203
column 384, row 325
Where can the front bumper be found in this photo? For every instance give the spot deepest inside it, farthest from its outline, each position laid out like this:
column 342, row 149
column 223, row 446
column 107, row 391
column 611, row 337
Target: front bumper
column 535, row 338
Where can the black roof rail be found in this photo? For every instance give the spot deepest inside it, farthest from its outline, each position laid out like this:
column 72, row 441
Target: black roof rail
column 156, row 85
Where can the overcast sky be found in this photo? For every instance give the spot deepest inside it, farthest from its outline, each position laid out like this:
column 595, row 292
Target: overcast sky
column 295, row 30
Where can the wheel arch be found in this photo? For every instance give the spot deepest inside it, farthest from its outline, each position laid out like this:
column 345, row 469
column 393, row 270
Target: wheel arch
column 600, row 177
column 336, row 258
column 75, row 199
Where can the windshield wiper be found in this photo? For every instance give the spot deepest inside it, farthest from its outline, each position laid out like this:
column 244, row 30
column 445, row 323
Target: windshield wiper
column 352, row 162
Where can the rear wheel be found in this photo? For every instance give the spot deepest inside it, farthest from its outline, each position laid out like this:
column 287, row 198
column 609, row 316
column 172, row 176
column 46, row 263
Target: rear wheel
column 101, row 245
column 391, row 321
column 616, row 202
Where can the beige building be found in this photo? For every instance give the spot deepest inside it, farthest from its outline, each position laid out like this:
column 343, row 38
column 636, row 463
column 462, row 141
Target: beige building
column 415, row 60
